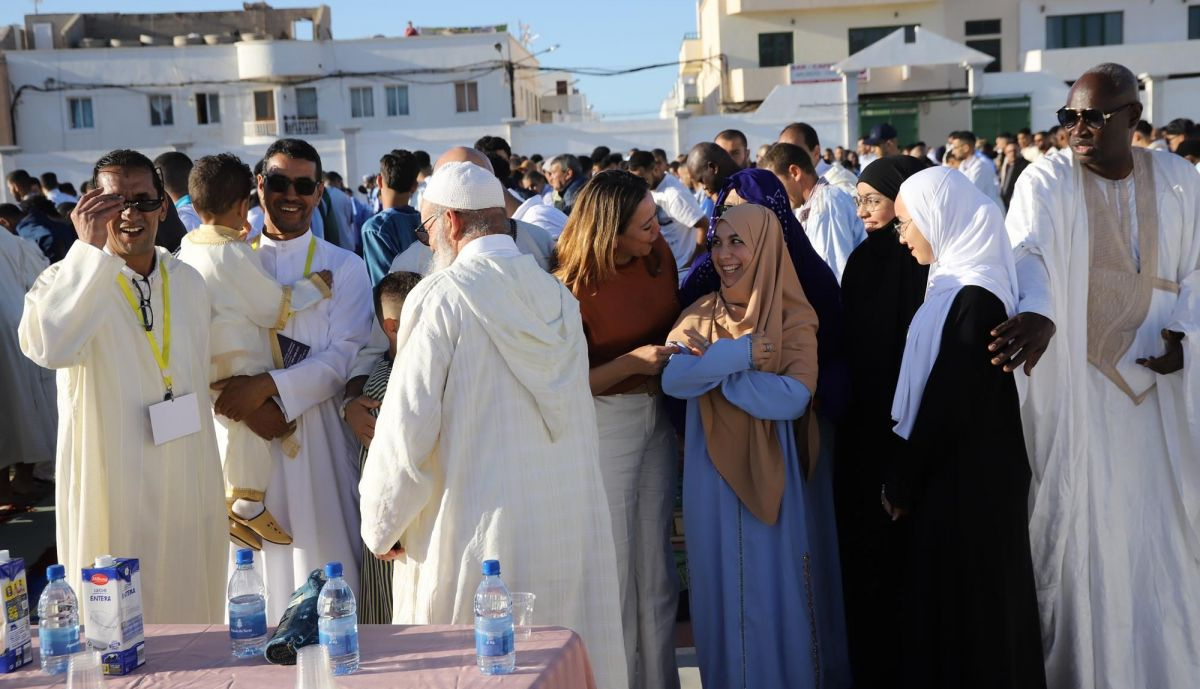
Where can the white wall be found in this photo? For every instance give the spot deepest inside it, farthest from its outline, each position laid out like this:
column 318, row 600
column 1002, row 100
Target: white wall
column 122, row 116
column 1145, row 21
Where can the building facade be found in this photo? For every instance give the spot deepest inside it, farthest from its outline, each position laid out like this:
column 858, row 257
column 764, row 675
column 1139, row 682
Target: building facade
column 82, row 85
column 746, row 49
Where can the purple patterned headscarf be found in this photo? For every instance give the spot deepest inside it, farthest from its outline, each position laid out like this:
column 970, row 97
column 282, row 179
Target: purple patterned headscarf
column 820, row 284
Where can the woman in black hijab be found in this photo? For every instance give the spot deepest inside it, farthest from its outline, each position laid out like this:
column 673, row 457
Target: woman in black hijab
column 882, row 287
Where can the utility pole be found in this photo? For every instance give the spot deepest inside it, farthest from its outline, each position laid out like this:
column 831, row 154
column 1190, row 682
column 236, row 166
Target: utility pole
column 512, row 86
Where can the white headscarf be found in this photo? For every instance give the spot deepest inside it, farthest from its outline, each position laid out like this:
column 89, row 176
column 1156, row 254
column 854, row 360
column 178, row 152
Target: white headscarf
column 970, row 247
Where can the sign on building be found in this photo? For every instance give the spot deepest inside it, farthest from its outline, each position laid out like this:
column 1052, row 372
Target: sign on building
column 820, row 73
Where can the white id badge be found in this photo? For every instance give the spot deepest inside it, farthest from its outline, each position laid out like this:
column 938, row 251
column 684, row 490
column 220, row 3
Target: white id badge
column 175, row 418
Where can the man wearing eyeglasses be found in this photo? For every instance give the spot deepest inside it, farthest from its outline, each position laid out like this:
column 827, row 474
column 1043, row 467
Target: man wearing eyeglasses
column 1107, row 241
column 486, row 442
column 312, row 494
column 127, row 325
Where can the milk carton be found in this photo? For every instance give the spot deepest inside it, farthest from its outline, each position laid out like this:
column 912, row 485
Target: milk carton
column 112, row 602
column 16, row 645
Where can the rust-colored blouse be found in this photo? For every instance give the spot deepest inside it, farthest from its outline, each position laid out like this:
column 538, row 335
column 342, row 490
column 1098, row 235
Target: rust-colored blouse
column 635, row 307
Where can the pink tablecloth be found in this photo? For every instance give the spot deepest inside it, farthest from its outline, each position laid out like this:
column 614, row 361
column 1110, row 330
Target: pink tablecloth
column 180, row 656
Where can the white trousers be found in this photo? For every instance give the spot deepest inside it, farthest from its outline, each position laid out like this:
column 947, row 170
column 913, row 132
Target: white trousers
column 638, row 462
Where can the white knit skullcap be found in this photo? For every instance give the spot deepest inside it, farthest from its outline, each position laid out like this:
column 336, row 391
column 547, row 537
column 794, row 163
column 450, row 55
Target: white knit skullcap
column 465, row 187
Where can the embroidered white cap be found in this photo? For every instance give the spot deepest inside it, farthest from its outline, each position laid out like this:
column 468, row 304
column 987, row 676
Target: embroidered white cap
column 464, row 186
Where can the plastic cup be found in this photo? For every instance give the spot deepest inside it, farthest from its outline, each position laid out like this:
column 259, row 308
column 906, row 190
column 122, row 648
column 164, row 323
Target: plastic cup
column 84, row 671
column 522, row 611
column 312, row 668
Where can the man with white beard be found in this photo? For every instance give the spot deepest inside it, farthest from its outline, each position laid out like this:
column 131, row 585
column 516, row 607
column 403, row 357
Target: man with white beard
column 486, row 446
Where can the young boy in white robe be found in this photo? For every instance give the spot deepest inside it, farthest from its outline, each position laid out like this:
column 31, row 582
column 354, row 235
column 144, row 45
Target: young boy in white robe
column 248, row 307
column 375, row 575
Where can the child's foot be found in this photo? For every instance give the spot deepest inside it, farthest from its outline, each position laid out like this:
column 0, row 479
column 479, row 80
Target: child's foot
column 242, row 535
column 254, row 515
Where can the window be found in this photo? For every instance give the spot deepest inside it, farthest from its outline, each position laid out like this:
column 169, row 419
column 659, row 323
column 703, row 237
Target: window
column 81, row 113
column 264, row 106
column 1193, row 22
column 991, row 46
column 208, row 108
column 1083, row 30
column 362, row 101
column 466, row 96
column 306, row 103
column 982, row 27
column 161, row 112
column 861, row 38
column 775, row 49
column 397, row 100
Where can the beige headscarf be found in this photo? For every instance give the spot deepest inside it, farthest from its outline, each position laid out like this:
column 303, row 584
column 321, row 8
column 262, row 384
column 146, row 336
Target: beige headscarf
column 767, row 299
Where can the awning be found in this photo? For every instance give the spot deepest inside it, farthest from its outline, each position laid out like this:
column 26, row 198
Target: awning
column 927, row 49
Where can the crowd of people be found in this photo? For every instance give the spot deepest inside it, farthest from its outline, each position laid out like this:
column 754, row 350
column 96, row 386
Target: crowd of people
column 934, row 411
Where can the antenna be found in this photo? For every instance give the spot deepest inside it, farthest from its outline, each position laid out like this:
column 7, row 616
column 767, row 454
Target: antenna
column 36, row 5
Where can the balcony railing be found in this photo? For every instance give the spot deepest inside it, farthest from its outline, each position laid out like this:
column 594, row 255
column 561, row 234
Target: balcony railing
column 301, row 126
column 263, row 128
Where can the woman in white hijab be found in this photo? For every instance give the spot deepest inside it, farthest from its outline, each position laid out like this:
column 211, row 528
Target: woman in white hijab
column 968, row 616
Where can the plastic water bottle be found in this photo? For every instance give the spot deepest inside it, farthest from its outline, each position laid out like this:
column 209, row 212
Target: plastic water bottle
column 337, row 624
column 58, row 628
column 494, row 648
column 247, row 608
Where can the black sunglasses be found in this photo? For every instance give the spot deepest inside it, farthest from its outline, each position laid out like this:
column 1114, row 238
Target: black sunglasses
column 1092, row 118
column 422, row 230
column 279, row 184
column 143, row 205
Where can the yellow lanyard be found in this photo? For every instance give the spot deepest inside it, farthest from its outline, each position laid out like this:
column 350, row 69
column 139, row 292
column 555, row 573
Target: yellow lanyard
column 312, row 250
column 162, row 356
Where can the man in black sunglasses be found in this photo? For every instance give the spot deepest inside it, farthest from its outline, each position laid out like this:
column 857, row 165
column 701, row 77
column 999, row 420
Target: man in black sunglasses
column 138, row 471
column 1108, row 255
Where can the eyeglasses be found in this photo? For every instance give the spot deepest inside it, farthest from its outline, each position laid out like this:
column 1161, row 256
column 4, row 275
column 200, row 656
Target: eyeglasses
column 870, row 202
column 279, row 184
column 144, row 299
column 143, row 205
column 720, row 210
column 422, row 230
column 1092, row 118
column 902, row 227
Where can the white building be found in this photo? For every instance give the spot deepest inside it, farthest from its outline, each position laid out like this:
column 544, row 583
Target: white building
column 353, row 99
column 771, row 53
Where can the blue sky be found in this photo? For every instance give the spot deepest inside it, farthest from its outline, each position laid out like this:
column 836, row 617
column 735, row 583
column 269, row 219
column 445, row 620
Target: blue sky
column 608, row 34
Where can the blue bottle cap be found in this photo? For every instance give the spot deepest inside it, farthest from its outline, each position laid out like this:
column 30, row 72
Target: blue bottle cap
column 491, row 568
column 245, row 556
column 56, row 572
column 333, row 569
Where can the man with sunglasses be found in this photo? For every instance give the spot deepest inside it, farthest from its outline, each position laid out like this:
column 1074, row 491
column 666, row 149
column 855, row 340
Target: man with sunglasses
column 311, row 494
column 1107, row 241
column 138, row 473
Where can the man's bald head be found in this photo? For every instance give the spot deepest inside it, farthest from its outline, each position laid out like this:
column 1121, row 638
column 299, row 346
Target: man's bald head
column 1110, row 89
column 711, row 166
column 462, row 154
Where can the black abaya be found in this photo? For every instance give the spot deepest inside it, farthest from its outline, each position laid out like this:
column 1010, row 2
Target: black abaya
column 882, row 287
column 968, row 608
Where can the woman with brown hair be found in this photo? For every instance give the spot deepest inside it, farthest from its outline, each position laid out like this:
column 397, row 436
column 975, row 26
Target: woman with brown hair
column 615, row 261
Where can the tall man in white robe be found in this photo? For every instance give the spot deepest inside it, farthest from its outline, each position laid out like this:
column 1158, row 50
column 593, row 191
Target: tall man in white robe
column 975, row 165
column 1107, row 242
column 827, row 213
column 418, row 258
column 94, row 316
column 28, row 417
column 486, row 444
column 314, row 494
